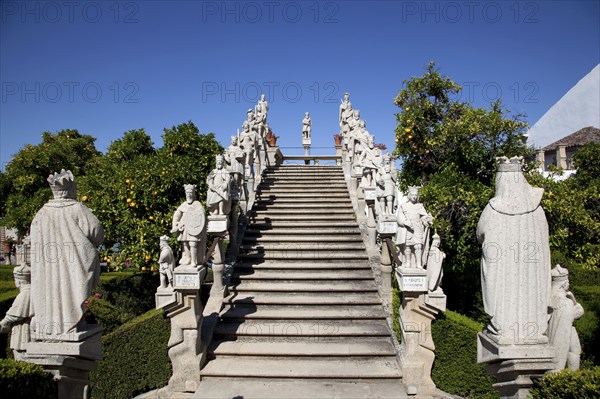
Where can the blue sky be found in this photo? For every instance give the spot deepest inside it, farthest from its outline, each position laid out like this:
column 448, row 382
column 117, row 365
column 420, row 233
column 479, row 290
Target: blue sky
column 105, row 67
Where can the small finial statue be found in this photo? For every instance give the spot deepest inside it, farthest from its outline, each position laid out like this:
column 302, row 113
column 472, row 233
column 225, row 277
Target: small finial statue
column 306, row 126
column 19, row 315
column 65, row 263
column 219, row 181
column 189, row 222
column 515, row 262
column 166, row 264
column 414, row 222
column 345, row 113
column 561, row 332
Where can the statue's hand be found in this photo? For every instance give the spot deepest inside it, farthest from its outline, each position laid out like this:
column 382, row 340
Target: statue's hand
column 4, row 325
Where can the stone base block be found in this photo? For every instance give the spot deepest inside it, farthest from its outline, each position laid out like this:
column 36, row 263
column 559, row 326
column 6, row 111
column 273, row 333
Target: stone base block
column 387, row 224
column 514, row 366
column 188, row 278
column 164, row 297
column 217, row 224
column 412, row 280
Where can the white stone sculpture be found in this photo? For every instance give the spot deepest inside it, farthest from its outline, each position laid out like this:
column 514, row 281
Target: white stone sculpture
column 18, row 317
column 354, row 120
column 247, row 142
column 435, row 259
column 189, row 222
column 413, row 222
column 235, row 157
column 515, row 263
column 561, row 332
column 306, row 126
column 166, row 263
column 219, row 182
column 65, row 263
column 386, row 190
column 359, row 140
column 345, row 114
column 262, row 110
column 371, row 161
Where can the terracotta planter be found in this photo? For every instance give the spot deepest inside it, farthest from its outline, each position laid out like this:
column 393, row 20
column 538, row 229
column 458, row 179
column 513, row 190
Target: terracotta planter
column 338, row 140
column 272, row 141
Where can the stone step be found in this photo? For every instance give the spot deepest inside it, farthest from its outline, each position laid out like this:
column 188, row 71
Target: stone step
column 333, row 232
column 306, row 207
column 305, row 255
column 315, row 225
column 331, row 264
column 306, row 190
column 354, row 367
column 289, row 238
column 287, row 298
column 304, row 212
column 302, row 312
column 311, row 274
column 305, row 285
column 302, row 181
column 265, row 195
column 298, row 388
column 297, row 328
column 262, row 217
column 304, row 246
column 318, row 201
column 303, row 346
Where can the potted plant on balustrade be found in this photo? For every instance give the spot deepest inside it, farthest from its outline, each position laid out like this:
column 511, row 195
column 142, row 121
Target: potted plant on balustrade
column 271, row 138
column 338, row 139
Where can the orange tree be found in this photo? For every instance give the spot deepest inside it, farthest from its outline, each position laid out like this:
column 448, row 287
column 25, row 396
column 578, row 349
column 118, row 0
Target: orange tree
column 135, row 188
column 449, row 147
column 24, row 185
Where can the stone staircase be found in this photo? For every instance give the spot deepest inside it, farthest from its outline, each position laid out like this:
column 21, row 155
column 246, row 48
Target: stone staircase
column 304, row 317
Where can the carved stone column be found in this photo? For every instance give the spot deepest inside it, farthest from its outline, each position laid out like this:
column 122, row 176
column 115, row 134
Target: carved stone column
column 185, row 346
column 419, row 308
column 217, row 226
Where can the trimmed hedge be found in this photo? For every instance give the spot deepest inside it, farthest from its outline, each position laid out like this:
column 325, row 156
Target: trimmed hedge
column 133, row 294
column 20, row 380
column 588, row 326
column 455, row 369
column 567, row 384
column 135, row 358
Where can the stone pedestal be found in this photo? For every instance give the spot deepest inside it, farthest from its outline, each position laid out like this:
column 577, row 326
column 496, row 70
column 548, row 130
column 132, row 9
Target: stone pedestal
column 360, row 200
column 164, row 297
column 338, row 153
column 218, row 228
column 412, row 280
column 514, row 365
column 274, row 156
column 417, row 311
column 386, row 228
column 371, row 223
column 185, row 347
column 69, row 359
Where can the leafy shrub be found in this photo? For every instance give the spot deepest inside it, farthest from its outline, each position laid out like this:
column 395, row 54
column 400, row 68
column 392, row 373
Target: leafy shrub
column 455, row 369
column 588, row 326
column 105, row 313
column 567, row 384
column 132, row 294
column 134, row 358
column 21, row 380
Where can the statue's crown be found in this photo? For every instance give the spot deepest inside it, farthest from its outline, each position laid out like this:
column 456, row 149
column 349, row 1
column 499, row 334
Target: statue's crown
column 514, row 164
column 164, row 238
column 62, row 182
column 189, row 187
column 413, row 189
column 219, row 157
column 559, row 273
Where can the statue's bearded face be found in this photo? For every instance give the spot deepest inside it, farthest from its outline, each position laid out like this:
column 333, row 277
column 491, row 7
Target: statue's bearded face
column 189, row 196
column 413, row 196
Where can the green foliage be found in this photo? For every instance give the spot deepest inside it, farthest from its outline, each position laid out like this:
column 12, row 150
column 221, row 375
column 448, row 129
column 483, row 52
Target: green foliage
column 567, row 384
column 101, row 311
column 25, row 182
column 572, row 207
column 455, row 369
column 131, row 294
column 587, row 162
column 21, row 380
column 434, row 130
column 134, row 358
column 134, row 194
column 456, row 201
column 588, row 326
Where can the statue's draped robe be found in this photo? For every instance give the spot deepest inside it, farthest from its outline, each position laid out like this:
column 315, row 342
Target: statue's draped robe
column 21, row 310
column 515, row 264
column 65, row 266
column 561, row 332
